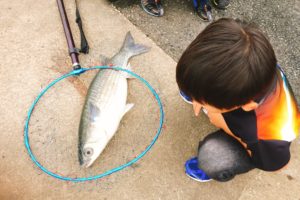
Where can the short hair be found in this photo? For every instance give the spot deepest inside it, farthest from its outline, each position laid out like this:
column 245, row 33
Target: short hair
column 229, row 64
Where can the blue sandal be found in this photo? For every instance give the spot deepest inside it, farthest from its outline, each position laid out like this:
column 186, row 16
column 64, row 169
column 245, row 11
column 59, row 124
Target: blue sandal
column 192, row 171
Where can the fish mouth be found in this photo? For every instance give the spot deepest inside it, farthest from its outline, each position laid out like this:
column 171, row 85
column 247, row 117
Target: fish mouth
column 85, row 163
column 80, row 157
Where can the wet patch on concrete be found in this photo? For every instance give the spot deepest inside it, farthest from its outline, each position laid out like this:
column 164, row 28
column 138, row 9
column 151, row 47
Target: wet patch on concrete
column 63, row 66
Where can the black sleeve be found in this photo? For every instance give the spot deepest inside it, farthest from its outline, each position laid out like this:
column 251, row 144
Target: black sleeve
column 270, row 155
column 242, row 124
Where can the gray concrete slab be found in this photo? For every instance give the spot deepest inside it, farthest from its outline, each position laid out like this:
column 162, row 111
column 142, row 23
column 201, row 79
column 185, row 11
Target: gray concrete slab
column 35, row 52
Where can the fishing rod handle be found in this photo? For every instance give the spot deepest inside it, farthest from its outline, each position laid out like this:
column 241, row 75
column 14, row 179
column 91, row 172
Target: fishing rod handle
column 71, row 45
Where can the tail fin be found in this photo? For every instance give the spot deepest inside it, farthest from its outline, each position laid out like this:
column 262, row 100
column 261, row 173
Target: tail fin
column 131, row 48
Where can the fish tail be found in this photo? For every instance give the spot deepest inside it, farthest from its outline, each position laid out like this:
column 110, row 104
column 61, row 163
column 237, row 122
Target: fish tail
column 131, row 48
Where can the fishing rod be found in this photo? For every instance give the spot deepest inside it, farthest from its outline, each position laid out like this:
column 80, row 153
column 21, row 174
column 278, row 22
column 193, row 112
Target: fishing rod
column 73, row 51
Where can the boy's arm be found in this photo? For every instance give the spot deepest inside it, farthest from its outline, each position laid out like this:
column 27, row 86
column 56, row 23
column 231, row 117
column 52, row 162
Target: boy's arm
column 270, row 155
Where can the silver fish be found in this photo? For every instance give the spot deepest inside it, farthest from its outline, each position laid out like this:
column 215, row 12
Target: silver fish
column 105, row 104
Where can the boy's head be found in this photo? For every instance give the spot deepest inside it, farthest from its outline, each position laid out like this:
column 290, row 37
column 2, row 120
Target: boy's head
column 229, row 64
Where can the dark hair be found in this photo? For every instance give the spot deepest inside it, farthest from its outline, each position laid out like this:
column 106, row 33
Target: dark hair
column 229, row 64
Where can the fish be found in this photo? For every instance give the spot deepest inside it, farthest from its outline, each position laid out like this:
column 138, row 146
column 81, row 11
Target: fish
column 105, row 103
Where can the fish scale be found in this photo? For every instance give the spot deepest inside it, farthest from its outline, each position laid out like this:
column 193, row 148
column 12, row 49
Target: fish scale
column 105, row 93
column 103, row 87
column 102, row 91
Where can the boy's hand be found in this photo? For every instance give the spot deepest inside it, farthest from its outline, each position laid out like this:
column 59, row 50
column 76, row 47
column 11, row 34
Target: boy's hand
column 218, row 120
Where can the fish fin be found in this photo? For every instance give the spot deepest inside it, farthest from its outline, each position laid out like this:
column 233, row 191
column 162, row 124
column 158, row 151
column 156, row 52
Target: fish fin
column 104, row 60
column 128, row 107
column 132, row 48
column 94, row 112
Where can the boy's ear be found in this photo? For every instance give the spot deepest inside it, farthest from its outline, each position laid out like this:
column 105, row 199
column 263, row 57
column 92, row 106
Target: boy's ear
column 250, row 106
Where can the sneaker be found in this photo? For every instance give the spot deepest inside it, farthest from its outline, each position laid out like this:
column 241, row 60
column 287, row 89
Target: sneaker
column 205, row 14
column 186, row 98
column 152, row 7
column 220, row 4
column 192, row 171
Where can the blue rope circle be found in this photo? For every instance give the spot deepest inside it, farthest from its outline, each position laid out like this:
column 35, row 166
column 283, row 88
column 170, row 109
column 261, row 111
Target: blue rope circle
column 75, row 73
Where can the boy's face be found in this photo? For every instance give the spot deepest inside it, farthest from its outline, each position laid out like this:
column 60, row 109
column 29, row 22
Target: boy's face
column 213, row 110
column 210, row 109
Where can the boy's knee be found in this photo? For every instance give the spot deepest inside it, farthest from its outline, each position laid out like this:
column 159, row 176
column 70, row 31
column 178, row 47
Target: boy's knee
column 222, row 157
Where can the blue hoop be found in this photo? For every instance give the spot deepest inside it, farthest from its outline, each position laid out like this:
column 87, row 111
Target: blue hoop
column 75, row 73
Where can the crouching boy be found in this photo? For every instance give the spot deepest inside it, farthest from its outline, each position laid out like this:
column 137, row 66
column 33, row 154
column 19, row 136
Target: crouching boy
column 230, row 71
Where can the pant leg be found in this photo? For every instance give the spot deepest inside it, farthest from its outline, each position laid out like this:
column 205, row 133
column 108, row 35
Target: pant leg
column 222, row 157
column 203, row 3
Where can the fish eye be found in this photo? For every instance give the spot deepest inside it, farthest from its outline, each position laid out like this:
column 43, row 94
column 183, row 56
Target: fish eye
column 88, row 152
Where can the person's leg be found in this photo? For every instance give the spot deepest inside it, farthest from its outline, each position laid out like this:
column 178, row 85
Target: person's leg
column 204, row 10
column 221, row 4
column 152, row 7
column 222, row 157
column 203, row 3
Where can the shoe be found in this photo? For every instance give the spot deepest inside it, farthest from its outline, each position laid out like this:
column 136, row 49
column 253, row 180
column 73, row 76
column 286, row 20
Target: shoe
column 192, row 171
column 152, row 7
column 220, row 4
column 186, row 98
column 205, row 14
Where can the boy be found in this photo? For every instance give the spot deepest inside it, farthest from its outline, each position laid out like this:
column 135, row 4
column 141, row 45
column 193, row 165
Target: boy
column 230, row 71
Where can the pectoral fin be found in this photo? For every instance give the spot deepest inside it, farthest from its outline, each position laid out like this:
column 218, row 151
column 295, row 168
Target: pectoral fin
column 94, row 112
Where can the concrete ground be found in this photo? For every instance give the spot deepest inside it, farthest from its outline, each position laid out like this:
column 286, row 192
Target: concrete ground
column 34, row 52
